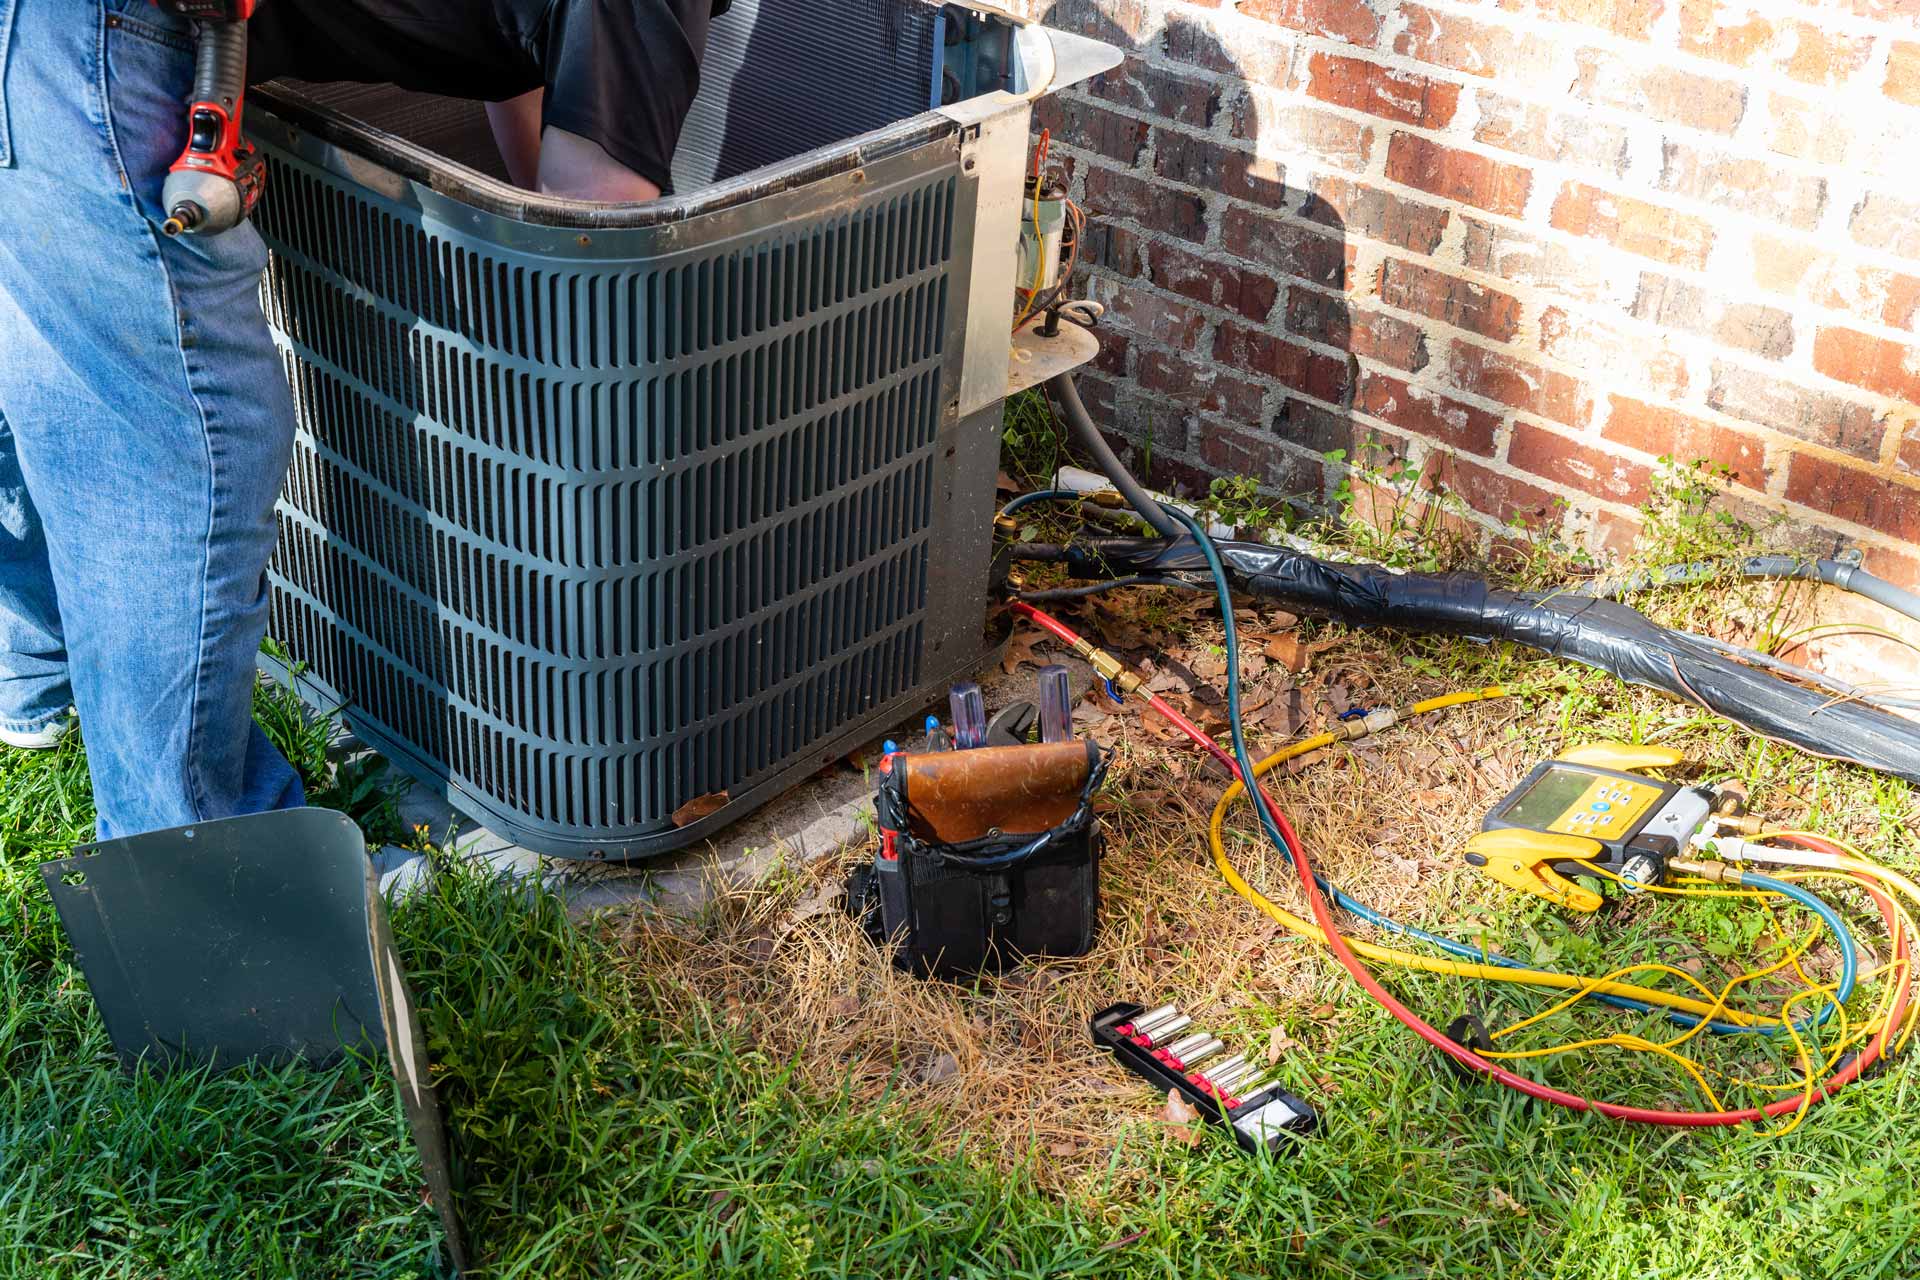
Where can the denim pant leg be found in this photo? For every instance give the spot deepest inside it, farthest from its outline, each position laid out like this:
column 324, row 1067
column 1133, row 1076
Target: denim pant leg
column 152, row 419
column 33, row 658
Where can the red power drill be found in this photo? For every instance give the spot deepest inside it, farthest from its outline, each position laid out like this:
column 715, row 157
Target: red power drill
column 217, row 180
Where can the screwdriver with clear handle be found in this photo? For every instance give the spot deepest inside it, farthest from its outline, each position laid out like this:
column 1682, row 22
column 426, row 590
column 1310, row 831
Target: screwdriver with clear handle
column 969, row 707
column 1056, row 705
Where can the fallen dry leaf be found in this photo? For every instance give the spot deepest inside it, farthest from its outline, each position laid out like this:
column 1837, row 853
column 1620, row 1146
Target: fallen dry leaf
column 1278, row 1042
column 701, row 807
column 1180, row 1116
column 1020, row 649
column 1321, row 1011
column 1508, row 1203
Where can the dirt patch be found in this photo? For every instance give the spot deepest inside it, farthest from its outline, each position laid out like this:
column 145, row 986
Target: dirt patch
column 1006, row 1060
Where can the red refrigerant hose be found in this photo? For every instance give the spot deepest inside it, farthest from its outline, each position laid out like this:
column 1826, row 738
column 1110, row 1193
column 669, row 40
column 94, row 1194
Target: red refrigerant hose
column 1323, row 916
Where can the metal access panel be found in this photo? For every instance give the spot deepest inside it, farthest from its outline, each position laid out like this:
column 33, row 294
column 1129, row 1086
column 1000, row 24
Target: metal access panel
column 599, row 510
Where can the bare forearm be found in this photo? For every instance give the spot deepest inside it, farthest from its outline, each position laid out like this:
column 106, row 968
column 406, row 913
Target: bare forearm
column 580, row 169
column 516, row 131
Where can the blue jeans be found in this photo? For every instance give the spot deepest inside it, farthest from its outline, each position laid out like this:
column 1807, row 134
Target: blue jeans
column 145, row 428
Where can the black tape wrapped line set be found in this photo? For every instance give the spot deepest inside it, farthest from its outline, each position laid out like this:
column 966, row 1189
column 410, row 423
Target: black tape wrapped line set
column 1599, row 633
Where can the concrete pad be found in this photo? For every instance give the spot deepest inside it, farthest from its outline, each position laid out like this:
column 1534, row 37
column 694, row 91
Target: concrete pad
column 814, row 822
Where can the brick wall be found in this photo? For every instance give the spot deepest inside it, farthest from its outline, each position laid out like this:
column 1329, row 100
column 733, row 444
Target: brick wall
column 1529, row 245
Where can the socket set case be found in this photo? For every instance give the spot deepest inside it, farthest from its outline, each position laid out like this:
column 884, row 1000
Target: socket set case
column 1261, row 1122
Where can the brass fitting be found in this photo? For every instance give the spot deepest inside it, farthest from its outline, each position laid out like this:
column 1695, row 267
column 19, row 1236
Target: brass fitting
column 1006, row 526
column 1715, row 872
column 1110, row 498
column 1377, row 721
column 1111, row 668
column 1745, row 824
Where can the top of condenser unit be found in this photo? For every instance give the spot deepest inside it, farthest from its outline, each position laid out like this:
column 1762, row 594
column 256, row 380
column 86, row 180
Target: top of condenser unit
column 790, row 90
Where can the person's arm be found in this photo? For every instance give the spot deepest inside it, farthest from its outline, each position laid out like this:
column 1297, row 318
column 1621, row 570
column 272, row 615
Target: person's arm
column 578, row 168
column 558, row 163
column 516, row 131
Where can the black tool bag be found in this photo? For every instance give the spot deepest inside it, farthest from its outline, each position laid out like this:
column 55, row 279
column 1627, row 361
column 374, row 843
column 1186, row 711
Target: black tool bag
column 987, row 857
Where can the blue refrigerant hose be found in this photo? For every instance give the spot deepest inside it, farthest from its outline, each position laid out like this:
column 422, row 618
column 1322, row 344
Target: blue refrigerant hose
column 1361, row 911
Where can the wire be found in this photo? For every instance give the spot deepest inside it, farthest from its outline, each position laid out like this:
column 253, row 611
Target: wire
column 1280, row 831
column 1096, row 588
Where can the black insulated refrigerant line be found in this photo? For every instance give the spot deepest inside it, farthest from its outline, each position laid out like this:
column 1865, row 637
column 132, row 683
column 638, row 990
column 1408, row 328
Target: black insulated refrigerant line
column 1598, row 633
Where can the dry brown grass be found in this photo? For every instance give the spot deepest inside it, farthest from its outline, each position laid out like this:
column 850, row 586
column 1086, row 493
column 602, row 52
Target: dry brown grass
column 1007, row 1061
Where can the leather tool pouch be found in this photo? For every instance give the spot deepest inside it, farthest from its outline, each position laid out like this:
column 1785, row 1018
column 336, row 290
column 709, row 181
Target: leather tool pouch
column 987, row 857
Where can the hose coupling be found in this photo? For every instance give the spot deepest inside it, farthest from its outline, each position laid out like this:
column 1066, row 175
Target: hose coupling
column 1111, row 668
column 1712, row 872
column 1376, row 721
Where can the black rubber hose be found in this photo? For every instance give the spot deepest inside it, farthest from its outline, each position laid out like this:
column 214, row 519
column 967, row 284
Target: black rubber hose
column 1598, row 633
column 1088, row 436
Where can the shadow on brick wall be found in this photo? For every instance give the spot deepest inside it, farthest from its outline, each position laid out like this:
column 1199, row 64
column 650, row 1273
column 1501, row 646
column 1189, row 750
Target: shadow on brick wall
column 1228, row 346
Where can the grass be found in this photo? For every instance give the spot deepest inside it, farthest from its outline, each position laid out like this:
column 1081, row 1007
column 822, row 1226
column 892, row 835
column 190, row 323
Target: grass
column 751, row 1093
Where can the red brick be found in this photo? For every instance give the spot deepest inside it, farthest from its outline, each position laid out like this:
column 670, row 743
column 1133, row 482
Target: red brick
column 1506, row 498
column 1358, row 210
column 1257, row 59
column 1336, row 139
column 1880, row 8
column 1668, row 433
column 1381, row 91
column 1628, row 356
column 1111, row 245
column 1819, row 56
column 1126, row 24
column 1423, row 411
column 1238, row 451
column 1544, row 134
column 1830, row 420
column 1287, row 247
column 1218, row 284
column 1744, row 326
column 1149, row 313
column 1633, row 19
column 1903, row 73
column 1349, row 20
column 1801, row 271
column 1649, row 230
column 1310, row 372
column 1476, row 48
column 1733, row 38
column 1201, row 387
column 1664, row 93
column 1849, row 493
column 1159, row 91
column 1461, row 303
column 1332, row 319
column 1742, row 184
column 1806, row 130
column 1577, row 465
column 1213, row 166
column 1512, row 381
column 1878, row 364
column 1615, row 536
column 1459, row 175
column 1522, row 259
column 1882, row 221
column 1909, row 458
column 1808, row 52
column 1092, row 127
column 1113, row 194
column 1313, row 426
